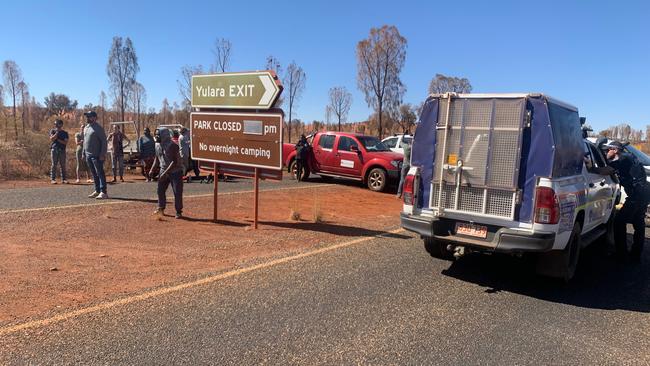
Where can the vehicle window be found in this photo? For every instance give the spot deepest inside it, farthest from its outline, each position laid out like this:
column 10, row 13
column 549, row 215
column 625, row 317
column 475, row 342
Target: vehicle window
column 372, row 143
column 569, row 143
column 588, row 158
column 345, row 143
column 391, row 142
column 640, row 155
column 326, row 141
column 406, row 140
column 597, row 157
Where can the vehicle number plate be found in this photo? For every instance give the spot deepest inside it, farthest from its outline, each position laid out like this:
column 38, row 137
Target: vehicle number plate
column 478, row 231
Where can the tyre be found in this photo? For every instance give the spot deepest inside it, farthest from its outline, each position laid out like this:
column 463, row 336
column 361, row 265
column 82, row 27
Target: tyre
column 437, row 249
column 562, row 264
column 377, row 180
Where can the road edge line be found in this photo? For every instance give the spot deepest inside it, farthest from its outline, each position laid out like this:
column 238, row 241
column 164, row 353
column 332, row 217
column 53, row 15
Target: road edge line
column 37, row 209
column 176, row 288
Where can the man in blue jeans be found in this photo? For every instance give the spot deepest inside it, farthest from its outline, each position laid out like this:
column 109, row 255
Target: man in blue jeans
column 95, row 147
column 58, row 143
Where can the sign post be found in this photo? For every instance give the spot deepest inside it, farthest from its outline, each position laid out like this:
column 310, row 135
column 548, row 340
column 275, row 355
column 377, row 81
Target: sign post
column 238, row 142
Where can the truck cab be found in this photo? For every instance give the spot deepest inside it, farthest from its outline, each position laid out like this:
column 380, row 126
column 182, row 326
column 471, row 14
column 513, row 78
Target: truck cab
column 507, row 173
column 350, row 156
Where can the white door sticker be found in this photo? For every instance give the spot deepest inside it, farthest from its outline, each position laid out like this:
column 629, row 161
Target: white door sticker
column 347, row 163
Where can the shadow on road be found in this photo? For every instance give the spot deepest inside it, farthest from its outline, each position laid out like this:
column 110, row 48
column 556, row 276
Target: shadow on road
column 145, row 200
column 600, row 283
column 335, row 229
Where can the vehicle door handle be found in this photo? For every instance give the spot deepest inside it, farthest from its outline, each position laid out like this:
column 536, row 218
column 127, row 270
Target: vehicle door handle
column 603, row 182
column 591, row 185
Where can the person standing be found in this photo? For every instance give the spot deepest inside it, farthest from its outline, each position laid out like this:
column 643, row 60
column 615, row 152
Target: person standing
column 81, row 161
column 184, row 144
column 406, row 165
column 147, row 149
column 117, row 156
column 301, row 153
column 171, row 172
column 95, row 148
column 632, row 176
column 58, row 142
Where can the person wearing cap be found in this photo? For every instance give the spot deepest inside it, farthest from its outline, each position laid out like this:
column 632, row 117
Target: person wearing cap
column 147, row 149
column 58, row 143
column 171, row 172
column 95, row 148
column 632, row 177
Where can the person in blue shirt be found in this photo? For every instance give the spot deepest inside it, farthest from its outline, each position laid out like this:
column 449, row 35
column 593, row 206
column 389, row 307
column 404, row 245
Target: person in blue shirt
column 632, row 176
column 58, row 143
column 147, row 149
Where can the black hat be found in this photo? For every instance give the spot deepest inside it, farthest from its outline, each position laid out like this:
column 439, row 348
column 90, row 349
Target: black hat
column 58, row 122
column 90, row 114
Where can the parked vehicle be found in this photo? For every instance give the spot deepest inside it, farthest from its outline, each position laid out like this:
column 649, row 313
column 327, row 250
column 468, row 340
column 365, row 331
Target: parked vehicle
column 348, row 155
column 131, row 152
column 506, row 173
column 640, row 155
column 396, row 142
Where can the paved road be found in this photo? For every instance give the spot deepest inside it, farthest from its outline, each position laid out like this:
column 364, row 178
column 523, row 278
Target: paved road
column 71, row 194
column 381, row 301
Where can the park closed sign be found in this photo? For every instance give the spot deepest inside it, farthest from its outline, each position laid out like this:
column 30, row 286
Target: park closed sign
column 236, row 90
column 243, row 139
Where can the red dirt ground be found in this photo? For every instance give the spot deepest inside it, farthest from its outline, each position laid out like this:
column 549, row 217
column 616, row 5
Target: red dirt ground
column 107, row 252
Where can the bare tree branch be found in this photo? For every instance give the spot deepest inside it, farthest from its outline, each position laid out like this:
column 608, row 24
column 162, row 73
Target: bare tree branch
column 340, row 103
column 122, row 69
column 222, row 51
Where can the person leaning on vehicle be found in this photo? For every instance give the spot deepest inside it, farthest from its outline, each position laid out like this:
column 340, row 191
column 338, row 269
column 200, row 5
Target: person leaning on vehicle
column 301, row 156
column 171, row 171
column 633, row 179
column 147, row 148
column 95, row 147
column 406, row 165
column 58, row 142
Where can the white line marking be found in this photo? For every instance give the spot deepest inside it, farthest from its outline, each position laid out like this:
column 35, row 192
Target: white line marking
column 125, row 202
column 183, row 286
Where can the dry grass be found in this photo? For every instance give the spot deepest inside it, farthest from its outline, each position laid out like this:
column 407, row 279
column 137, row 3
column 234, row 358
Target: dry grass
column 317, row 212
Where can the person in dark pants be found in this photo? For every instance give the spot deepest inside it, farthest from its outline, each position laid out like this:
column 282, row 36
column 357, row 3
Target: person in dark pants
column 147, row 149
column 95, row 148
column 117, row 153
column 406, row 165
column 301, row 153
column 58, row 143
column 171, row 172
column 633, row 179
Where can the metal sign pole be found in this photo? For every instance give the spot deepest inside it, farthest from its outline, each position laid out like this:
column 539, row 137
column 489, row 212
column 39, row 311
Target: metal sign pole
column 257, row 176
column 215, row 192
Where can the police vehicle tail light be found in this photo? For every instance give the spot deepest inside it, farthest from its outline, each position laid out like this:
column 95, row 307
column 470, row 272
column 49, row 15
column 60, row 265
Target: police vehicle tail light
column 547, row 207
column 407, row 190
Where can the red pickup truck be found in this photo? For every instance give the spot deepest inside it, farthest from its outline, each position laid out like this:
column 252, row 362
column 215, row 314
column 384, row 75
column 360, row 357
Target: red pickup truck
column 348, row 155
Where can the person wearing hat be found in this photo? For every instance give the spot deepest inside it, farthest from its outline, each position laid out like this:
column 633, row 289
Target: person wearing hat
column 632, row 177
column 58, row 143
column 95, row 147
column 168, row 157
column 147, row 149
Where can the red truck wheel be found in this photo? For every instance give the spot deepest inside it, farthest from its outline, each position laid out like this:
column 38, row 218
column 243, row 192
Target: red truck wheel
column 377, row 180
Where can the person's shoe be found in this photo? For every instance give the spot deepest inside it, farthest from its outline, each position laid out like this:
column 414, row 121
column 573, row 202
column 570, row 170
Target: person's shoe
column 76, row 181
column 122, row 179
column 93, row 195
column 114, row 180
column 89, row 180
column 399, row 195
column 178, row 215
column 159, row 212
column 102, row 196
column 53, row 181
column 64, row 182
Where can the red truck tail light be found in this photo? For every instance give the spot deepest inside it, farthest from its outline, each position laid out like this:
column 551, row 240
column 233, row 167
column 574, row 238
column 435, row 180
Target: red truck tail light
column 408, row 189
column 547, row 207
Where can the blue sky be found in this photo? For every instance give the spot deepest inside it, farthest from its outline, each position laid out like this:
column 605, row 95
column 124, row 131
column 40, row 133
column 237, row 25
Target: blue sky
column 593, row 54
